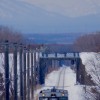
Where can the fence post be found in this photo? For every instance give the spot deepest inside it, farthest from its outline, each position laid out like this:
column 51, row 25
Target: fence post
column 15, row 71
column 24, row 95
column 21, row 74
column 7, row 70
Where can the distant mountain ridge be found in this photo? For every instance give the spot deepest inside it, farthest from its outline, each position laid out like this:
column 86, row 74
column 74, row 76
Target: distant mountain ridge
column 29, row 18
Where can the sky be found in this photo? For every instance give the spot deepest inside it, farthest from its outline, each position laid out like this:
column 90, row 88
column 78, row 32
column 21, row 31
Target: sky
column 51, row 16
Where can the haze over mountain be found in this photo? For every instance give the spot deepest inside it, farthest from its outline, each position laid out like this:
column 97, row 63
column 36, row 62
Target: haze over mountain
column 51, row 16
column 51, row 38
column 71, row 8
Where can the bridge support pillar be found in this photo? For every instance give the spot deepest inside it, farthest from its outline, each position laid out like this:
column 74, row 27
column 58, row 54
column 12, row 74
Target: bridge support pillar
column 77, row 68
column 42, row 66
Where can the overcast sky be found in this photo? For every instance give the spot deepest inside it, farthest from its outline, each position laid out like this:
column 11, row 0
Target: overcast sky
column 51, row 16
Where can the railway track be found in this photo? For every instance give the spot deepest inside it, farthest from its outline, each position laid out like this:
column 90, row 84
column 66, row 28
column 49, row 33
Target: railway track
column 61, row 79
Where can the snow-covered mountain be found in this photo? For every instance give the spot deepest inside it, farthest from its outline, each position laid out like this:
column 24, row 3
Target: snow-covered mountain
column 72, row 8
column 54, row 16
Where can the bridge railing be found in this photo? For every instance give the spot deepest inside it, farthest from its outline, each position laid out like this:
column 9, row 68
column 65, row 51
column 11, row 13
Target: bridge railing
column 58, row 55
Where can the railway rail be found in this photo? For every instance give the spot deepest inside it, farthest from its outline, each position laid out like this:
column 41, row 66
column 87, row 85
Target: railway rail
column 61, row 78
column 58, row 92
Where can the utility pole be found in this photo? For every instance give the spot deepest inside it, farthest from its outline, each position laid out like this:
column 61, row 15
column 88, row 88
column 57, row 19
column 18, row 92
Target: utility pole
column 15, row 71
column 24, row 74
column 7, row 70
column 28, row 75
column 37, row 65
column 21, row 74
column 34, row 70
column 32, row 90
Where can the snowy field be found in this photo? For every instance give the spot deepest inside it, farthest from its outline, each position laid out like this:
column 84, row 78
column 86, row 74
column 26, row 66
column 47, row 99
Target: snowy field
column 75, row 92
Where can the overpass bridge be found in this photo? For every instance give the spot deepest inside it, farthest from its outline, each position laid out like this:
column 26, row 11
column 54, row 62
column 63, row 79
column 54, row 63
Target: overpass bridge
column 49, row 61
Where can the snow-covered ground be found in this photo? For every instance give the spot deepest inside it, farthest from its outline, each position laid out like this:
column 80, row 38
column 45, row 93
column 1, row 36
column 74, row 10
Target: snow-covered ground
column 75, row 92
column 92, row 67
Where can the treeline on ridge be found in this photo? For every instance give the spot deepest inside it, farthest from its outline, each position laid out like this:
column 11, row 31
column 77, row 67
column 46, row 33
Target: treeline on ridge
column 88, row 43
column 10, row 35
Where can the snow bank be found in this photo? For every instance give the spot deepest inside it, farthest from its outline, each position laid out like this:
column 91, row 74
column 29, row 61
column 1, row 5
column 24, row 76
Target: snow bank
column 92, row 65
column 1, row 63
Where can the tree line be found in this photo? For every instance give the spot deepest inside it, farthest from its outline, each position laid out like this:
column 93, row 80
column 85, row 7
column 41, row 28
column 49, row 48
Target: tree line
column 88, row 42
column 10, row 35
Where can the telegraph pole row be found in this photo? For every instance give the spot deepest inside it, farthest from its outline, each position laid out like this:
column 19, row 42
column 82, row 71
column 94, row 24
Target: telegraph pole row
column 27, row 64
